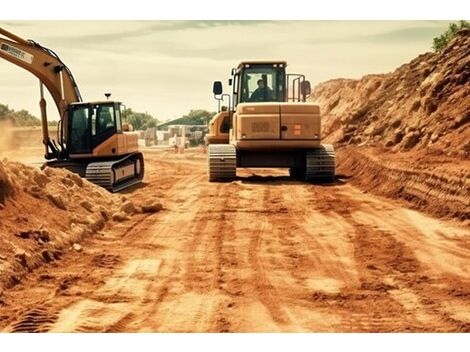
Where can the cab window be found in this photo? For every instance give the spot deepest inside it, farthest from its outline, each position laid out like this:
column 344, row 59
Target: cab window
column 103, row 119
column 263, row 83
column 118, row 120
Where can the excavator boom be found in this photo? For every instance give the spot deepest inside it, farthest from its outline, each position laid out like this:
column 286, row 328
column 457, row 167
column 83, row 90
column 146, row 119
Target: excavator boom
column 51, row 72
column 91, row 140
column 44, row 64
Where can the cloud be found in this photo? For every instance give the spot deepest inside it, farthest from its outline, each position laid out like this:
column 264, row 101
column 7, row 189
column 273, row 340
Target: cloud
column 167, row 67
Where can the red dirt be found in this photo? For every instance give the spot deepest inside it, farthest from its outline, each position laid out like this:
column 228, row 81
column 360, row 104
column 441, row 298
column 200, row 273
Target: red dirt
column 424, row 103
column 260, row 254
column 406, row 134
column 45, row 212
column 433, row 183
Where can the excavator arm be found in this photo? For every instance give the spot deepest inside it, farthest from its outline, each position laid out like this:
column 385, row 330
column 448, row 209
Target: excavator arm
column 51, row 72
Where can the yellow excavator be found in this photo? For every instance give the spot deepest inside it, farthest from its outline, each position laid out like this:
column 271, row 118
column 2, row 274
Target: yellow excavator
column 91, row 138
column 268, row 124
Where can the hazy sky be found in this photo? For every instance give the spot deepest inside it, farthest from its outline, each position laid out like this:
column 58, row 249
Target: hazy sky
column 167, row 68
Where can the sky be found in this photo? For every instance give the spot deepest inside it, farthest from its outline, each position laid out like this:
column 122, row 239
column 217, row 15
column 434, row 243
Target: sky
column 167, row 68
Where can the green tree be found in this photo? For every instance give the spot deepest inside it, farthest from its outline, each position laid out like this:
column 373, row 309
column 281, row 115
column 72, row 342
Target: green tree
column 139, row 120
column 20, row 118
column 439, row 43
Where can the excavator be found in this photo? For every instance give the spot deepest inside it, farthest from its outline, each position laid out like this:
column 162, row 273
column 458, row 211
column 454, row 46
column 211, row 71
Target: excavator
column 267, row 124
column 92, row 140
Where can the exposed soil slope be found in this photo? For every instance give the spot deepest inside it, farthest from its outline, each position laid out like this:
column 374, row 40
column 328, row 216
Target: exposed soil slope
column 424, row 103
column 407, row 132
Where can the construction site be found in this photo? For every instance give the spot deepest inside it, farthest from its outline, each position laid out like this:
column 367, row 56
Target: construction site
column 341, row 207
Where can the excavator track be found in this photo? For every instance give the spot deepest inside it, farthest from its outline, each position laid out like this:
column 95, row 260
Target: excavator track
column 317, row 165
column 320, row 164
column 117, row 175
column 222, row 162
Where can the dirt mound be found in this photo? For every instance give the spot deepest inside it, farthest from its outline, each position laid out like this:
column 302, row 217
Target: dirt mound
column 44, row 212
column 425, row 102
column 6, row 186
column 433, row 183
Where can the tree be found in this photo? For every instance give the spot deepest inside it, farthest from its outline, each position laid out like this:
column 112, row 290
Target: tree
column 440, row 43
column 18, row 118
column 139, row 120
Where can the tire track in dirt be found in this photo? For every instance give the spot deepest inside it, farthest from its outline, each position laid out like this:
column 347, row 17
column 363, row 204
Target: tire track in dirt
column 266, row 292
column 256, row 254
column 73, row 286
column 146, row 279
column 389, row 269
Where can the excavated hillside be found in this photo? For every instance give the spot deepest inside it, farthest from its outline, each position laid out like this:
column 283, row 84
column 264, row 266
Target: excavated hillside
column 406, row 134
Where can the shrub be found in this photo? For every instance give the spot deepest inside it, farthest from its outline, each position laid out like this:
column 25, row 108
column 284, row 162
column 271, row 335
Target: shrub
column 441, row 42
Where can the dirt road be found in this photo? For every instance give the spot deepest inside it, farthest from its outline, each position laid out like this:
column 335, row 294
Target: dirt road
column 260, row 254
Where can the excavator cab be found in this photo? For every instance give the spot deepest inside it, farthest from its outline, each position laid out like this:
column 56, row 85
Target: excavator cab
column 90, row 124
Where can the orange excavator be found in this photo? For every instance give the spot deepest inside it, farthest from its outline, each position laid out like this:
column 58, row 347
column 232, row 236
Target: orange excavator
column 91, row 137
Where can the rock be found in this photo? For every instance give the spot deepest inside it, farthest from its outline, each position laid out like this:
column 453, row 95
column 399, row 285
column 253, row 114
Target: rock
column 396, row 123
column 369, row 130
column 24, row 234
column 120, row 217
column 434, row 137
column 86, row 205
column 397, row 138
column 35, row 191
column 152, row 207
column 128, row 208
column 57, row 200
column 76, row 247
column 466, row 147
column 104, row 213
column 356, row 140
column 79, row 219
column 410, row 140
column 41, row 179
column 430, row 106
column 44, row 235
column 68, row 182
column 389, row 143
column 22, row 257
column 49, row 171
column 416, row 105
column 97, row 224
column 344, row 136
column 76, row 179
column 47, row 256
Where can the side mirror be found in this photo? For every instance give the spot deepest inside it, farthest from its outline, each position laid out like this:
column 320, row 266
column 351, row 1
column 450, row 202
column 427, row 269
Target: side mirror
column 217, row 88
column 305, row 87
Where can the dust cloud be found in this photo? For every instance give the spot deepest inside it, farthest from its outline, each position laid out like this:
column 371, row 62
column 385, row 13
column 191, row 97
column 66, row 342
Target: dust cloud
column 7, row 140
